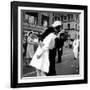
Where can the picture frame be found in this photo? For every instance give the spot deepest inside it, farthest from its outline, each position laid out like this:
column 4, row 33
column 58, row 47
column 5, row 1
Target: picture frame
column 23, row 12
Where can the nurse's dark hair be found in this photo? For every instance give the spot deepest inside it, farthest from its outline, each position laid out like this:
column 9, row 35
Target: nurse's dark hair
column 30, row 33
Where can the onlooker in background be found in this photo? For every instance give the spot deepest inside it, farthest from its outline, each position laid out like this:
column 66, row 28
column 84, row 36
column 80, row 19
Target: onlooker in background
column 30, row 48
column 75, row 47
column 60, row 44
column 24, row 46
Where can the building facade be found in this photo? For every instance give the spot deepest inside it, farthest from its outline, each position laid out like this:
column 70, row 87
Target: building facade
column 38, row 21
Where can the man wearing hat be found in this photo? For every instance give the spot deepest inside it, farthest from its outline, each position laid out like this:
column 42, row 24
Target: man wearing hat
column 52, row 52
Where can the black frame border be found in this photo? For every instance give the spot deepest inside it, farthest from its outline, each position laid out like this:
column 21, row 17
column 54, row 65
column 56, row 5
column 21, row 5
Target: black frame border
column 14, row 43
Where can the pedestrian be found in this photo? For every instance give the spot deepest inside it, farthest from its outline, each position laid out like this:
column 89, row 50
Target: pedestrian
column 24, row 46
column 59, row 46
column 75, row 47
column 52, row 52
column 30, row 48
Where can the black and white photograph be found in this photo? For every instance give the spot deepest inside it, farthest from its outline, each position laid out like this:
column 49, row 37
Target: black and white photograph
column 50, row 44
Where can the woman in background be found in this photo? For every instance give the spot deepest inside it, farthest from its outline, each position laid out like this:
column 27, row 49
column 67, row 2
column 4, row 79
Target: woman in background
column 30, row 48
column 75, row 47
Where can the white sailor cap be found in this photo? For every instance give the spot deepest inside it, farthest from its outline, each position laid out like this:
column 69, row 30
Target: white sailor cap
column 56, row 23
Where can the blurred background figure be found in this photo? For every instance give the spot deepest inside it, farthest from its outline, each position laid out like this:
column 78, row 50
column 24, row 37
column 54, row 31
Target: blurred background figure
column 59, row 46
column 24, row 46
column 75, row 47
column 30, row 48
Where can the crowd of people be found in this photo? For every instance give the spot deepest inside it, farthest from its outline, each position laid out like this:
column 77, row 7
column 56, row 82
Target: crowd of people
column 48, row 45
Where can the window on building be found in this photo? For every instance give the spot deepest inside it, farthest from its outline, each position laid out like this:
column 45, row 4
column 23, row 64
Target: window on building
column 68, row 17
column 65, row 18
column 68, row 25
column 76, row 26
column 71, row 16
column 45, row 21
column 31, row 17
column 61, row 18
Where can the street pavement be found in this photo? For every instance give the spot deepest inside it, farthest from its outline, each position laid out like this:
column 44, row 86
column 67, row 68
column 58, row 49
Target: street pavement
column 68, row 65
